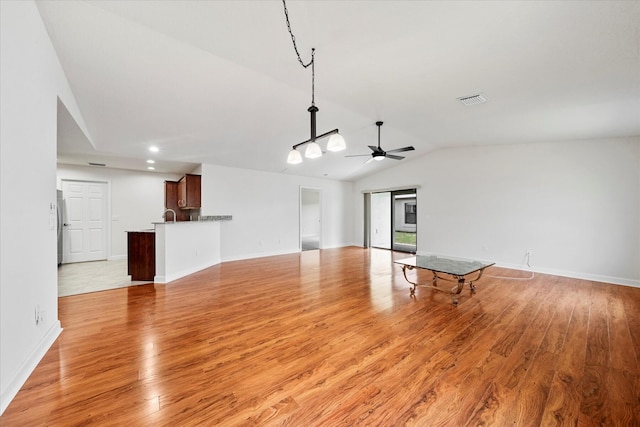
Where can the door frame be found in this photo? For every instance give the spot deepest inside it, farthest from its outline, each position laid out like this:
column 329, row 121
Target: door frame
column 367, row 211
column 107, row 211
column 300, row 214
column 395, row 193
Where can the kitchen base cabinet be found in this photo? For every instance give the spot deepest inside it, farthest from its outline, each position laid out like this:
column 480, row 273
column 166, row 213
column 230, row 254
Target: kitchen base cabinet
column 141, row 255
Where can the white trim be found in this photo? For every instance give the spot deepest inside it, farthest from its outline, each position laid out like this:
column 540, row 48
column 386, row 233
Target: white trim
column 282, row 252
column 107, row 219
column 182, row 273
column 583, row 276
column 390, row 189
column 29, row 365
column 563, row 273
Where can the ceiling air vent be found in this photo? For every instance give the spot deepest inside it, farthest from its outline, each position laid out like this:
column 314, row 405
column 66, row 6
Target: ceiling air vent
column 473, row 99
column 97, row 164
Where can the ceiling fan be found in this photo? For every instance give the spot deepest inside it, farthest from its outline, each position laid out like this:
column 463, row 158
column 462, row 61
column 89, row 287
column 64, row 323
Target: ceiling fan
column 379, row 154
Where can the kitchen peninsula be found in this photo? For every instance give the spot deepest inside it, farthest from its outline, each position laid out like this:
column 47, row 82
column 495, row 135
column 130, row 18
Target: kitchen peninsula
column 185, row 242
column 184, row 247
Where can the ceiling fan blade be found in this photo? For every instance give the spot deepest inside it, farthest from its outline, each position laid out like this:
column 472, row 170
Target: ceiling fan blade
column 391, row 156
column 358, row 155
column 373, row 148
column 400, row 150
column 370, row 160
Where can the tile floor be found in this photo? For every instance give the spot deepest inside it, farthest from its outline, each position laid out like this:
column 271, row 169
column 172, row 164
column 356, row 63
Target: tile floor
column 85, row 277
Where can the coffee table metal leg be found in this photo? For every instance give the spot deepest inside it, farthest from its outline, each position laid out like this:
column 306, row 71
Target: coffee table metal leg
column 404, row 271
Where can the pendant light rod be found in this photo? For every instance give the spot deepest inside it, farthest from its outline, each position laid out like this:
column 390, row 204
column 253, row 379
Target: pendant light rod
column 331, row 132
column 336, row 143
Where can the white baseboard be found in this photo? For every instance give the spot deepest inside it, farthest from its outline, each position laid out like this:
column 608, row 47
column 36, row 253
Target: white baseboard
column 259, row 255
column 565, row 273
column 117, row 257
column 281, row 252
column 29, row 365
column 583, row 276
column 170, row 278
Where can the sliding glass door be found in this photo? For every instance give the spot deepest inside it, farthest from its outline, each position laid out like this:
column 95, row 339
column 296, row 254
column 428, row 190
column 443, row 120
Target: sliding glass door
column 404, row 220
column 392, row 219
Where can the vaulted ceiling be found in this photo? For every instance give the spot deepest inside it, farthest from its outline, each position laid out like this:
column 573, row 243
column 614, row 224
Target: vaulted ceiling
column 219, row 82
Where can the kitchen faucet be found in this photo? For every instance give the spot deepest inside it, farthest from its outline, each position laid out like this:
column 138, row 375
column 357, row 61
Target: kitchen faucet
column 164, row 215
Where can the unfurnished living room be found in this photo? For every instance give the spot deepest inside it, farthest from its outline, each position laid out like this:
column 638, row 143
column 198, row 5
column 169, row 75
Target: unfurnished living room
column 313, row 213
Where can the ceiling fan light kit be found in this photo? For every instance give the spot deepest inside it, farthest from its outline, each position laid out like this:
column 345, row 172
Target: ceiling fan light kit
column 313, row 150
column 379, row 154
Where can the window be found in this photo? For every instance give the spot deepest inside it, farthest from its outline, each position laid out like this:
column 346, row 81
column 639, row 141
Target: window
column 409, row 213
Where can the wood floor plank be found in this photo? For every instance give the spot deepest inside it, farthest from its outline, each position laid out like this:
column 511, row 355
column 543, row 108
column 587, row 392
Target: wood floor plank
column 625, row 357
column 598, row 346
column 565, row 394
column 333, row 337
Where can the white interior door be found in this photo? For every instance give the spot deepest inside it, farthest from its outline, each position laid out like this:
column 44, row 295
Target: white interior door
column 85, row 216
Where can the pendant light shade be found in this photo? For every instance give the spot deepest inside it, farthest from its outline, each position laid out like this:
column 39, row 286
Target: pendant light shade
column 313, row 150
column 336, row 143
column 294, row 157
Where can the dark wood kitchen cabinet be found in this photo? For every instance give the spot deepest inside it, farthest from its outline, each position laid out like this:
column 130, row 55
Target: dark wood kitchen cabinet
column 141, row 255
column 171, row 202
column 189, row 192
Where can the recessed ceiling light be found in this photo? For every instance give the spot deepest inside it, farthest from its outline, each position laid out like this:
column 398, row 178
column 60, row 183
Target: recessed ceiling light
column 151, row 161
column 151, row 168
column 154, row 149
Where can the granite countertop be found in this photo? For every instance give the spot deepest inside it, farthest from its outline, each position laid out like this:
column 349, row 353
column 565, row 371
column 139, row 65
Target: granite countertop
column 215, row 218
column 204, row 218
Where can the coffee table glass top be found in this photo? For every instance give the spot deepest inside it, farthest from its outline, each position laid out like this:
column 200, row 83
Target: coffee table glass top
column 453, row 266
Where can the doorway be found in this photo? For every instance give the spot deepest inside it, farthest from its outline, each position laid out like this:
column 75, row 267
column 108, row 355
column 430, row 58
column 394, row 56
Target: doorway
column 392, row 218
column 310, row 218
column 84, row 221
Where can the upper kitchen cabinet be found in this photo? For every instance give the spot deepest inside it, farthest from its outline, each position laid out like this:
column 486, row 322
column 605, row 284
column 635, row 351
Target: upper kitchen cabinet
column 189, row 192
column 171, row 201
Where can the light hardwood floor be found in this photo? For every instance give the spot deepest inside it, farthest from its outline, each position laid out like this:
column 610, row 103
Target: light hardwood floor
column 332, row 338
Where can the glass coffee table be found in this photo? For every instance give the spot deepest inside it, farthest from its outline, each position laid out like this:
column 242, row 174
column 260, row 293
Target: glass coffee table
column 458, row 269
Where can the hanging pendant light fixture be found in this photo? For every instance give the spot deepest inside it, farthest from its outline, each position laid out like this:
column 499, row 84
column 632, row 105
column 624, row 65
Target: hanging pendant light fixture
column 313, row 150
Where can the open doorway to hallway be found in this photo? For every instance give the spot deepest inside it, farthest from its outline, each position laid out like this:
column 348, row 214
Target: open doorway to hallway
column 310, row 218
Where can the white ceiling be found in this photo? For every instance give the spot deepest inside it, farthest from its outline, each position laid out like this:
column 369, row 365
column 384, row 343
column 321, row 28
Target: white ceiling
column 218, row 81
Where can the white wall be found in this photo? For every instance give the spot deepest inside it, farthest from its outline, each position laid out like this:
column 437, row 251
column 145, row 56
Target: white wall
column 266, row 209
column 31, row 80
column 136, row 199
column 575, row 205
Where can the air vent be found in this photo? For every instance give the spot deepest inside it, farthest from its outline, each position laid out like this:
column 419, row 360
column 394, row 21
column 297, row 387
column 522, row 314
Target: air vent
column 473, row 99
column 97, row 164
